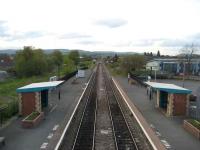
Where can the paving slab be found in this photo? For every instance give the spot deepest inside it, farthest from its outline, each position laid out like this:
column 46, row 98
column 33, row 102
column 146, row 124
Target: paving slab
column 169, row 130
column 18, row 138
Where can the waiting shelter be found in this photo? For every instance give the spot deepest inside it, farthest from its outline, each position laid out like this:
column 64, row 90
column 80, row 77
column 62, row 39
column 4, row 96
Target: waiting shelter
column 34, row 97
column 173, row 99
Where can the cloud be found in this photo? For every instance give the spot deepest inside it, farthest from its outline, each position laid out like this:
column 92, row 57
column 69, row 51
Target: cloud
column 33, row 34
column 89, row 42
column 145, row 42
column 24, row 35
column 123, row 44
column 3, row 29
column 74, row 35
column 174, row 42
column 6, row 35
column 182, row 42
column 166, row 42
column 112, row 23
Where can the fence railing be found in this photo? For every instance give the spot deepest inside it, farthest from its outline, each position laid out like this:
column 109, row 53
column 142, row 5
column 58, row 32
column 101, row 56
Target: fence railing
column 140, row 81
column 193, row 111
column 68, row 76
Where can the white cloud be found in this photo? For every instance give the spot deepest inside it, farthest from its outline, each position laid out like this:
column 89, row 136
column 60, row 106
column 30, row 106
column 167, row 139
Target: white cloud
column 130, row 25
column 112, row 22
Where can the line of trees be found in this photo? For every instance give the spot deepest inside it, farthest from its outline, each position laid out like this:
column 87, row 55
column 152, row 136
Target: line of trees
column 30, row 61
column 126, row 63
column 131, row 63
column 151, row 54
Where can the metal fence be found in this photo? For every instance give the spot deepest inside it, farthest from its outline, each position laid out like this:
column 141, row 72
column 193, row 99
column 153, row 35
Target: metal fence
column 68, row 76
column 140, row 81
column 192, row 112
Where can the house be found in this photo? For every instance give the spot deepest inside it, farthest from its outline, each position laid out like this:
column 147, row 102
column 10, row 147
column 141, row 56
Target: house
column 6, row 61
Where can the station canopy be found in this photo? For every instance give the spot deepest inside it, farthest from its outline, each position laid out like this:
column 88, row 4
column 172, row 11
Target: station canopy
column 36, row 87
column 170, row 88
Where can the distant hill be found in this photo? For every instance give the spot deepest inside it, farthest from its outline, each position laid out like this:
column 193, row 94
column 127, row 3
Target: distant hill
column 8, row 51
column 82, row 52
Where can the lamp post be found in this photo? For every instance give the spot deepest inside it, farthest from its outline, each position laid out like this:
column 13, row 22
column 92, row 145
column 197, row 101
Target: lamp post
column 183, row 74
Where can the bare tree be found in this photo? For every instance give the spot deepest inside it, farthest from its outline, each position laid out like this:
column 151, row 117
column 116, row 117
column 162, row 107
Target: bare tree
column 187, row 53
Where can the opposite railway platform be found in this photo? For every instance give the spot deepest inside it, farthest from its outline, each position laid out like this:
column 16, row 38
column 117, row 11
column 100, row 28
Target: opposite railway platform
column 168, row 129
column 58, row 112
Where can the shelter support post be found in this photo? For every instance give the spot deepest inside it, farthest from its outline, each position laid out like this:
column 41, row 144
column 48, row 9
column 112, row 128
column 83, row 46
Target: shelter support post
column 158, row 99
column 20, row 103
column 170, row 105
column 187, row 104
column 38, row 102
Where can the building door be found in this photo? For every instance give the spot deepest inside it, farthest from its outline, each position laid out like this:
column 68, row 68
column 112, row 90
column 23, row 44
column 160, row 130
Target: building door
column 44, row 98
column 179, row 104
column 163, row 99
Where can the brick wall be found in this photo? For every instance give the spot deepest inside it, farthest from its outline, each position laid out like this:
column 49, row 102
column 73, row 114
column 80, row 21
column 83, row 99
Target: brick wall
column 190, row 128
column 28, row 103
column 180, row 104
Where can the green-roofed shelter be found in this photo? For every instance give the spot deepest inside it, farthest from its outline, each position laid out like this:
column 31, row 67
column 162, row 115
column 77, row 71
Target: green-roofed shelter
column 34, row 97
column 173, row 99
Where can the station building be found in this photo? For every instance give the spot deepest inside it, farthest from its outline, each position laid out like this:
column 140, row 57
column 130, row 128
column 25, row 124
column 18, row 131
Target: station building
column 171, row 99
column 34, row 97
column 174, row 65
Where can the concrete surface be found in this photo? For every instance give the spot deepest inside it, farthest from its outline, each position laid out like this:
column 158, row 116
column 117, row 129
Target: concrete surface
column 169, row 130
column 18, row 138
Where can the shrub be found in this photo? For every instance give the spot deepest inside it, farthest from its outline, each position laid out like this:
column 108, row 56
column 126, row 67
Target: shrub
column 195, row 123
column 33, row 115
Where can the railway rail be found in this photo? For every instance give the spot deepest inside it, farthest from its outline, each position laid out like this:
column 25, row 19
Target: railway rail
column 122, row 134
column 80, row 134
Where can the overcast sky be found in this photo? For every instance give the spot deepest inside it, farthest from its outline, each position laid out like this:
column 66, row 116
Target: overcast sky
column 118, row 25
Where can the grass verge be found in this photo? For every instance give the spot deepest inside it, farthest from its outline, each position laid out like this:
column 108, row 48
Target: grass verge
column 33, row 115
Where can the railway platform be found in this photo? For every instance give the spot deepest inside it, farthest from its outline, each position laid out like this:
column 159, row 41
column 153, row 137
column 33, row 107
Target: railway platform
column 169, row 130
column 58, row 112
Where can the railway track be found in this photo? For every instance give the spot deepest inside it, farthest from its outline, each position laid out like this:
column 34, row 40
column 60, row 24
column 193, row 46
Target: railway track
column 86, row 132
column 81, row 132
column 122, row 134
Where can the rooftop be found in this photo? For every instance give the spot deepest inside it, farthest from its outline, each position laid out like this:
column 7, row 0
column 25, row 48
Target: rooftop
column 170, row 88
column 35, row 87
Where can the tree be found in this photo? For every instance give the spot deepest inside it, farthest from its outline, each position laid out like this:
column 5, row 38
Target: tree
column 186, row 54
column 158, row 53
column 69, row 65
column 115, row 58
column 132, row 63
column 30, row 61
column 24, row 59
column 57, row 57
column 74, row 56
column 40, row 62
